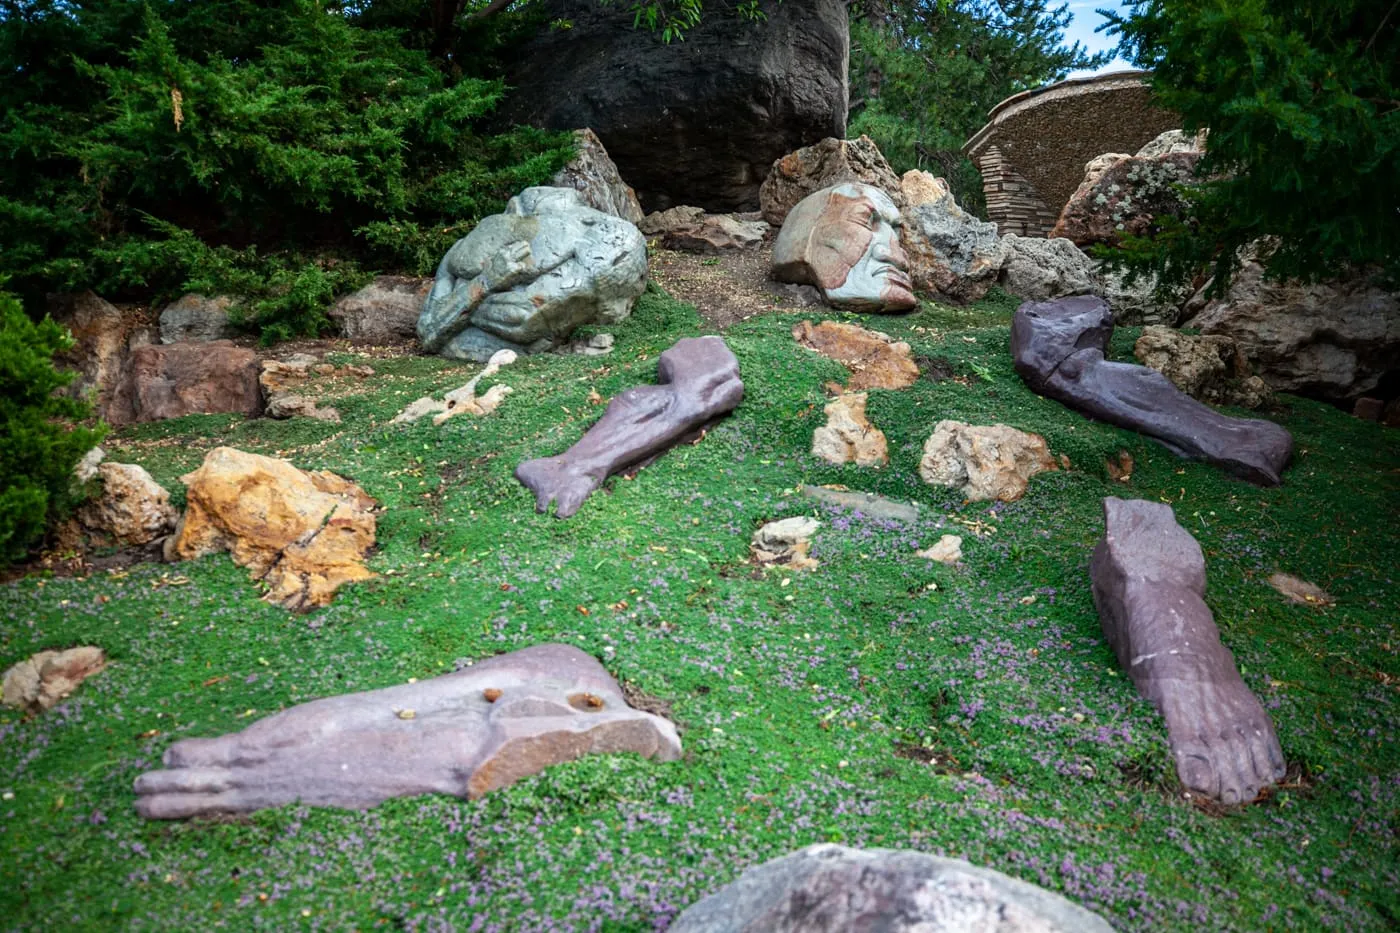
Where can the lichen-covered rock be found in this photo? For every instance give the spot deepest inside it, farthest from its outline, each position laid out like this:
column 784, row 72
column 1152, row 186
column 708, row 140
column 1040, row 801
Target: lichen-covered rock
column 195, row 317
column 1126, row 198
column 984, row 462
column 386, row 309
column 132, row 510
column 826, row 164
column 827, row 888
column 1037, row 269
column 876, row 360
column 848, row 436
column 526, row 279
column 41, row 681
column 786, row 541
column 1140, row 301
column 193, row 377
column 1334, row 340
column 304, row 535
column 951, row 252
column 593, row 174
column 1170, row 142
column 1208, row 368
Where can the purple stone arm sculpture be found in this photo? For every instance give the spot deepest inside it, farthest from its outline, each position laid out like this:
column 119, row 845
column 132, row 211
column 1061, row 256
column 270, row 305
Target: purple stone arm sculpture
column 1059, row 348
column 697, row 382
column 1149, row 580
column 464, row 734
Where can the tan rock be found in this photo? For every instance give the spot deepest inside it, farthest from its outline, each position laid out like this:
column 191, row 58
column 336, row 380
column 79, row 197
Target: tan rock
column 787, row 542
column 464, row 400
column 829, row 162
column 876, row 361
column 132, row 510
column 41, row 681
column 288, row 405
column 102, row 337
column 1300, row 591
column 920, row 187
column 594, row 175
column 948, row 550
column 304, row 535
column 985, row 462
column 1210, row 368
column 848, row 436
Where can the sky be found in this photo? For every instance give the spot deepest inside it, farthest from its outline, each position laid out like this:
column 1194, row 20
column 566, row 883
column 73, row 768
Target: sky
column 1081, row 30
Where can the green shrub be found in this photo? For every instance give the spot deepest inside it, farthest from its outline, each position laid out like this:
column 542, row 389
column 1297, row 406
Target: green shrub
column 37, row 450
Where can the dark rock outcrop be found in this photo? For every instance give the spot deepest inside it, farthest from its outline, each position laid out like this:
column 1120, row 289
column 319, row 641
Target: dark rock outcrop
column 175, row 379
column 694, row 122
column 1059, row 348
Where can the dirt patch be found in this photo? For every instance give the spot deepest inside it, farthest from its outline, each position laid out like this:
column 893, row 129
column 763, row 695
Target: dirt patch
column 941, row 369
column 730, row 286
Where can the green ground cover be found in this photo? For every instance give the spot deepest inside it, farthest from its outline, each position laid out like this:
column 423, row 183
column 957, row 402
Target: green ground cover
column 879, row 700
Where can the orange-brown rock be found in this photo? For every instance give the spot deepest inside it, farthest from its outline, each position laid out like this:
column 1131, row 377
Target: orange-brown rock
column 40, row 681
column 848, row 436
column 875, row 360
column 985, row 462
column 304, row 535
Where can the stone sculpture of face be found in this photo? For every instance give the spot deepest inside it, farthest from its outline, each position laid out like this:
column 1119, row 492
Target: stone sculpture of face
column 845, row 241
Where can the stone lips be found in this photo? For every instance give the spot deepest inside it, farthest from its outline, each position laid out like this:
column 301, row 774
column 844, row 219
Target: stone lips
column 831, row 888
column 697, row 382
column 1059, row 349
column 464, row 734
column 1148, row 579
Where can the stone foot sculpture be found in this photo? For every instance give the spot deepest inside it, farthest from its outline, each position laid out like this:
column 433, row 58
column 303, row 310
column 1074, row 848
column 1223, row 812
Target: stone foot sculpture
column 1059, row 348
column 463, row 734
column 1149, row 577
column 697, row 382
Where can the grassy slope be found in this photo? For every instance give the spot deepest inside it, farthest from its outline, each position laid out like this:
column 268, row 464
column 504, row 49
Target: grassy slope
column 792, row 698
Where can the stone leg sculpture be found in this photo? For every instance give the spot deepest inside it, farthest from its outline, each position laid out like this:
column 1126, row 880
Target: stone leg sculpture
column 463, row 734
column 1149, row 577
column 697, row 382
column 1059, row 347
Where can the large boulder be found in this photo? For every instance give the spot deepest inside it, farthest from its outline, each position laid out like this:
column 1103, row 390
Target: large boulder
column 595, row 176
column 827, row 887
column 195, row 317
column 102, row 336
column 132, row 510
column 823, row 165
column 304, row 535
column 694, row 122
column 386, row 309
column 171, row 380
column 951, row 253
column 526, row 279
column 984, row 461
column 1209, row 368
column 1037, row 269
column 1334, row 340
column 1124, row 196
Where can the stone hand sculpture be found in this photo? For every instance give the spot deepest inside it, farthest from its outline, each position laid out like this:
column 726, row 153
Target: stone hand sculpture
column 524, row 280
column 845, row 241
column 1060, row 346
column 464, row 734
column 1149, row 579
column 697, row 382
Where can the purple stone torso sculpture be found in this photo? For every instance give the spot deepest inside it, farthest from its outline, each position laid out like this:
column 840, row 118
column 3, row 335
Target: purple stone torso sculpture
column 463, row 734
column 1149, row 580
column 697, row 383
column 1059, row 348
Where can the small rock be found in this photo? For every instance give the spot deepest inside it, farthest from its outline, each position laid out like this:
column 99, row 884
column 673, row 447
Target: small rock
column 86, row 470
column 132, row 510
column 876, row 360
column 287, row 405
column 197, row 318
column 1368, row 409
column 1300, row 591
column 867, row 503
column 1037, row 269
column 41, row 681
column 984, row 462
column 786, row 542
column 948, row 550
column 848, row 436
column 597, row 345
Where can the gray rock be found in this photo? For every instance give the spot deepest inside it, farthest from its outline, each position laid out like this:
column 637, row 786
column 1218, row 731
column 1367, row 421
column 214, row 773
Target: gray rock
column 1037, row 269
column 132, row 509
column 86, row 470
column 287, row 405
column 464, row 734
column 828, row 888
column 693, row 122
column 1172, row 141
column 1138, row 303
column 385, row 309
column 1334, row 340
column 866, row 503
column 690, row 229
column 951, row 252
column 525, row 279
column 594, row 175
column 195, row 317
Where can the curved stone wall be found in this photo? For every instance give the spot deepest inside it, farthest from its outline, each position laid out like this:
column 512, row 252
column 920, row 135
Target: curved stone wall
column 1034, row 147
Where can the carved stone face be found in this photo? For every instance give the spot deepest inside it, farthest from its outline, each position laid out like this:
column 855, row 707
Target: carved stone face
column 845, row 241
